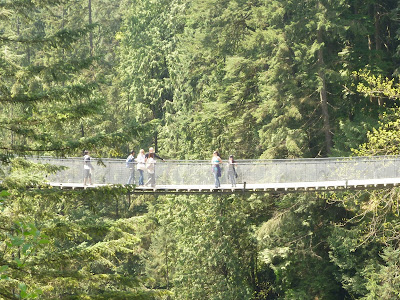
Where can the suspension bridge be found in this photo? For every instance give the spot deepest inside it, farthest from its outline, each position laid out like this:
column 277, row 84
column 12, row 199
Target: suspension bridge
column 255, row 176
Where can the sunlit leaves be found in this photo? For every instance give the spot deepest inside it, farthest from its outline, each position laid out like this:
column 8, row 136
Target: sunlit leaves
column 377, row 85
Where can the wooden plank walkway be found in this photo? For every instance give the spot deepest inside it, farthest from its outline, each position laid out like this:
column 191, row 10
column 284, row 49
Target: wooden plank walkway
column 251, row 188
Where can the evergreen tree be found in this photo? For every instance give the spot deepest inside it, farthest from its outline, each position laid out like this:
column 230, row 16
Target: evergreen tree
column 41, row 87
column 367, row 242
column 204, row 246
column 57, row 61
column 294, row 244
column 69, row 244
column 145, row 43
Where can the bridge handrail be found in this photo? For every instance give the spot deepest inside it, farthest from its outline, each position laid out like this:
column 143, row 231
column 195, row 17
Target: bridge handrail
column 189, row 172
column 297, row 160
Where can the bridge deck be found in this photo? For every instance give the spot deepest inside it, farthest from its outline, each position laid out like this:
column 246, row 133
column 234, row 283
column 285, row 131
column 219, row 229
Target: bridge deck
column 266, row 187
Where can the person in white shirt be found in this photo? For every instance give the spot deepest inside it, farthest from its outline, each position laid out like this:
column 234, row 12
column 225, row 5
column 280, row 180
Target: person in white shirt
column 141, row 166
column 150, row 165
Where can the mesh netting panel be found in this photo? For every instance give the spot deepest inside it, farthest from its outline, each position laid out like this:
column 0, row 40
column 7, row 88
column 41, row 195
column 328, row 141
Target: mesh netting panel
column 114, row 171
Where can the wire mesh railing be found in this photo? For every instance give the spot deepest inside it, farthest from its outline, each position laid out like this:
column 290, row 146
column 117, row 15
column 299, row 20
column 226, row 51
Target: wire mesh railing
column 178, row 172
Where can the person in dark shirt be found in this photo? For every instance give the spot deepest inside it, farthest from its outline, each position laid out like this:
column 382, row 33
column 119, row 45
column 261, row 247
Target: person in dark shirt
column 232, row 175
column 151, row 150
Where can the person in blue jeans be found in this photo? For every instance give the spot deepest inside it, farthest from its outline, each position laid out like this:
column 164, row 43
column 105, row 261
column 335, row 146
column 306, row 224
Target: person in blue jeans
column 141, row 166
column 130, row 164
column 216, row 168
column 232, row 175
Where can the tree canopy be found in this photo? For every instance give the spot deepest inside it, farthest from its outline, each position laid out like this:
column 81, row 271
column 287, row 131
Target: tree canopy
column 255, row 79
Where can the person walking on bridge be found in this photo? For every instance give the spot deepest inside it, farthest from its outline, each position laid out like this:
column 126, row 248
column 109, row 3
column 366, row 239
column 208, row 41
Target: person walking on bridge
column 151, row 150
column 216, row 168
column 130, row 164
column 232, row 175
column 150, row 165
column 141, row 166
column 87, row 168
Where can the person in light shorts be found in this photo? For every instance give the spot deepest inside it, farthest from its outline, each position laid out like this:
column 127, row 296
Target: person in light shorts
column 150, row 165
column 87, row 168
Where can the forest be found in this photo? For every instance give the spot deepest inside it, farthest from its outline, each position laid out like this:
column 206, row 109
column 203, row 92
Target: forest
column 257, row 79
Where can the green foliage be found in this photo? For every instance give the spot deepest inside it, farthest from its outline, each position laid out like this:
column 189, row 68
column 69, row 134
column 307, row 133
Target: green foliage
column 56, row 69
column 188, row 77
column 145, row 43
column 383, row 279
column 359, row 243
column 353, row 134
column 383, row 140
column 377, row 86
column 18, row 245
column 369, row 239
column 204, row 246
column 70, row 244
column 294, row 244
column 3, row 197
column 22, row 173
column 245, row 78
column 39, row 78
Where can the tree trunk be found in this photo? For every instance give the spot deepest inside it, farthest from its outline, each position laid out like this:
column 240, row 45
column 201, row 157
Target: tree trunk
column 156, row 142
column 378, row 45
column 323, row 95
column 90, row 23
column 62, row 26
column 166, row 264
